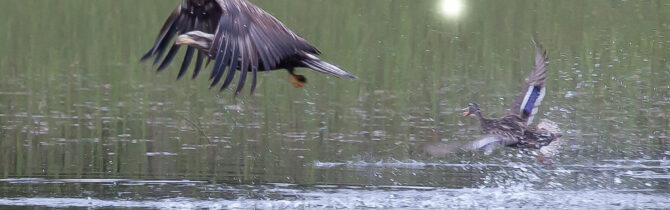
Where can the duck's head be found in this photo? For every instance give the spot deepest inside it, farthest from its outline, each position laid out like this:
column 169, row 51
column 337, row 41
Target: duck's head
column 198, row 39
column 473, row 108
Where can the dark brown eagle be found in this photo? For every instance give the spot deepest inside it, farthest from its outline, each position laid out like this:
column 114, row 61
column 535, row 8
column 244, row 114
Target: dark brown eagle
column 237, row 35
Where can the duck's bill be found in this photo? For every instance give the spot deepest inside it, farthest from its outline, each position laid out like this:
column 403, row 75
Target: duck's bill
column 466, row 112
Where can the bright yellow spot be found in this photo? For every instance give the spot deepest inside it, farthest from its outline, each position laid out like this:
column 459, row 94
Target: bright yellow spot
column 451, row 8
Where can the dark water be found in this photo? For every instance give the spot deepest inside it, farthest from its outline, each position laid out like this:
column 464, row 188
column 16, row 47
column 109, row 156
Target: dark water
column 84, row 124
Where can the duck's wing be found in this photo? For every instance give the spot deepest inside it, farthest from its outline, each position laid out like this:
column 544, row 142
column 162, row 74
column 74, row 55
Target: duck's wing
column 486, row 144
column 191, row 15
column 489, row 143
column 527, row 102
column 248, row 38
column 442, row 148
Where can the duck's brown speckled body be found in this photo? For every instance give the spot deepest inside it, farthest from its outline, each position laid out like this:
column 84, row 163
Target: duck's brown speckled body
column 513, row 129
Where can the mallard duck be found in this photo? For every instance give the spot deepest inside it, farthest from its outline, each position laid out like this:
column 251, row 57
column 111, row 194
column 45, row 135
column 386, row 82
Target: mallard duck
column 240, row 36
column 513, row 129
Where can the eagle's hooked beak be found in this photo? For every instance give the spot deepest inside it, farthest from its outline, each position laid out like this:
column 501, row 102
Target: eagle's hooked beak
column 184, row 40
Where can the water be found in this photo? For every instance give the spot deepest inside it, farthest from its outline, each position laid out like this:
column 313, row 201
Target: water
column 83, row 124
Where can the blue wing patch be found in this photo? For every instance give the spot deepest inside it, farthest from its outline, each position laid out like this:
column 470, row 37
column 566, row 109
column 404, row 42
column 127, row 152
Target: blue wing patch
column 528, row 109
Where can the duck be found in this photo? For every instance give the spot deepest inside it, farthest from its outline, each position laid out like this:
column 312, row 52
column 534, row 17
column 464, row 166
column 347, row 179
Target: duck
column 240, row 37
column 514, row 128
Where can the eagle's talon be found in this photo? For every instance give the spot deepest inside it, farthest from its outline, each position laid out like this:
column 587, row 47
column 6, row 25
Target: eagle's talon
column 297, row 80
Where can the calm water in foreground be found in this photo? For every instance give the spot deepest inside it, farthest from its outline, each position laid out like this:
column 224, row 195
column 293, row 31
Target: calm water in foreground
column 84, row 124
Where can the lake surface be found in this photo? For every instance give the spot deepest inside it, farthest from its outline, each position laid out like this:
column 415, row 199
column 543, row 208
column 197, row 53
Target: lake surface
column 84, row 124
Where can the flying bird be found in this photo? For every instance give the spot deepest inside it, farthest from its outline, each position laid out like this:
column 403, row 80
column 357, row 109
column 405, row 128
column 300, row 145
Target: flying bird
column 238, row 36
column 513, row 129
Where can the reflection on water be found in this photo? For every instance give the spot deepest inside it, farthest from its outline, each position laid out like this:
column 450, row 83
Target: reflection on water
column 80, row 118
column 451, row 8
column 348, row 198
column 197, row 194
